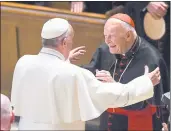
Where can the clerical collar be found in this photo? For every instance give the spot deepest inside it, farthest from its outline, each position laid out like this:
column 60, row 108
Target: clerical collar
column 52, row 52
column 131, row 51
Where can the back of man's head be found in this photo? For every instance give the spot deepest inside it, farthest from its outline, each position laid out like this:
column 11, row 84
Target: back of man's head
column 54, row 31
column 6, row 113
column 58, row 34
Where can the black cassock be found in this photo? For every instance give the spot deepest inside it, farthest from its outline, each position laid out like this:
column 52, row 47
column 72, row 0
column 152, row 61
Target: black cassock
column 142, row 54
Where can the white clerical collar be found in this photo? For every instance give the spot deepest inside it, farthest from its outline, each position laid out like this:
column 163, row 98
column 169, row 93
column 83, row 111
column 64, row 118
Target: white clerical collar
column 52, row 52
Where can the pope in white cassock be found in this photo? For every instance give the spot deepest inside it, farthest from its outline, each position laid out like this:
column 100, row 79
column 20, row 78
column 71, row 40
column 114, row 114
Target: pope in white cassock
column 49, row 93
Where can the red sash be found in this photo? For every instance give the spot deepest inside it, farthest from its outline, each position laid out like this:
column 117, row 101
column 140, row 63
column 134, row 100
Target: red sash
column 137, row 120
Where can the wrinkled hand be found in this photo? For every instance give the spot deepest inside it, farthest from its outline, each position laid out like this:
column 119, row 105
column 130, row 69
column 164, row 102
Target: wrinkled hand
column 75, row 54
column 154, row 75
column 165, row 127
column 104, row 76
column 77, row 7
column 157, row 9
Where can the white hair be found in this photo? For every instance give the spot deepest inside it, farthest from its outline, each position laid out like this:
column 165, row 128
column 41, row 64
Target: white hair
column 6, row 111
column 127, row 26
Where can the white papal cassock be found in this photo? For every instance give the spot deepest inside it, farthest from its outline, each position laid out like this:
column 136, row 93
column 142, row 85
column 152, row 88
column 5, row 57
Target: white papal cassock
column 52, row 94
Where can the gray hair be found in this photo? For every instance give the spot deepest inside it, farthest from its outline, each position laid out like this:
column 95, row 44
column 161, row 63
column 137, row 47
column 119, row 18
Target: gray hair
column 55, row 41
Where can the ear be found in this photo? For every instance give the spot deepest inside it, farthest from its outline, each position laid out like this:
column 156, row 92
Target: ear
column 128, row 35
column 64, row 43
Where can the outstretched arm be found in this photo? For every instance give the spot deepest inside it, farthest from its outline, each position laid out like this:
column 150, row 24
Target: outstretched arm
column 95, row 96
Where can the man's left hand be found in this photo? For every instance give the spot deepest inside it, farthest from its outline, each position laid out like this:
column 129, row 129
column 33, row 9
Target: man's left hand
column 75, row 54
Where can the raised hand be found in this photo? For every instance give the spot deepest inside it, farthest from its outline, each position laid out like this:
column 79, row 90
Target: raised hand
column 75, row 54
column 154, row 75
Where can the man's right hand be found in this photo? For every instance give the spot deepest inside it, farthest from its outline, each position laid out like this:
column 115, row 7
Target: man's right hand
column 157, row 9
column 154, row 75
column 75, row 53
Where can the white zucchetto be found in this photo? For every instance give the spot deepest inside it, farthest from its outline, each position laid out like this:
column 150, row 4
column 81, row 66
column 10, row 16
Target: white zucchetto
column 54, row 28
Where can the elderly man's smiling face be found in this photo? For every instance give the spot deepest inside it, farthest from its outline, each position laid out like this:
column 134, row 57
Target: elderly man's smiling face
column 116, row 36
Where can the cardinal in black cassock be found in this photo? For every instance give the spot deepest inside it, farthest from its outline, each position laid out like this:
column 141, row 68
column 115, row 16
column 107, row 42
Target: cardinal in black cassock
column 145, row 115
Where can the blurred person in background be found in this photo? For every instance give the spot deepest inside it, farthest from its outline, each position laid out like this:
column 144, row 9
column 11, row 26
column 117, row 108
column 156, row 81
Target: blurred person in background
column 7, row 116
column 166, row 100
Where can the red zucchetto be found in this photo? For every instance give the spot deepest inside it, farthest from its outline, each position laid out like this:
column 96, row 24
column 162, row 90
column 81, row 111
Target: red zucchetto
column 125, row 18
